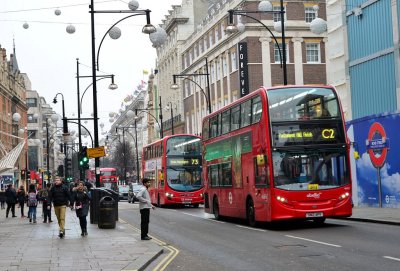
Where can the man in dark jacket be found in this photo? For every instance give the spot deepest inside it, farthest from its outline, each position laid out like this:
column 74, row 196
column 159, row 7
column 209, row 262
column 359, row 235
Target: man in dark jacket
column 59, row 195
column 11, row 199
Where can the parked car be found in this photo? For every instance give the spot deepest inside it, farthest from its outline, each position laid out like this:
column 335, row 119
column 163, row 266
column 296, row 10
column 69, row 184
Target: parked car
column 134, row 188
column 123, row 191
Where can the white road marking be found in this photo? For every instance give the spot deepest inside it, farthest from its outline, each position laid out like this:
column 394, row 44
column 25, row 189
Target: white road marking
column 202, row 217
column 314, row 241
column 250, row 228
column 391, row 258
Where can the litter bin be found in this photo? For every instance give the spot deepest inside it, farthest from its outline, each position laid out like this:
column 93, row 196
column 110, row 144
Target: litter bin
column 115, row 196
column 97, row 194
column 107, row 208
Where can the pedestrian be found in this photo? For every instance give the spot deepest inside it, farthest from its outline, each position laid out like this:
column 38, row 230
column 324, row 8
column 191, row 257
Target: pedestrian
column 60, row 197
column 21, row 197
column 2, row 199
column 32, row 203
column 11, row 199
column 46, row 204
column 144, row 205
column 81, row 202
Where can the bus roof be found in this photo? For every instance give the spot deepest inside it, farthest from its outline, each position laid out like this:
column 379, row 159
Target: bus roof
column 165, row 138
column 106, row 169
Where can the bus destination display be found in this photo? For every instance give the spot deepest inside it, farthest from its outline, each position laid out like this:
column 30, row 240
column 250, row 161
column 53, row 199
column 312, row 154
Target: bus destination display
column 183, row 161
column 287, row 135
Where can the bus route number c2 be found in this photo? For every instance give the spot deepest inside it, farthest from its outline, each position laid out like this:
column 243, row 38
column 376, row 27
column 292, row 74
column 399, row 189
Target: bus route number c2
column 328, row 133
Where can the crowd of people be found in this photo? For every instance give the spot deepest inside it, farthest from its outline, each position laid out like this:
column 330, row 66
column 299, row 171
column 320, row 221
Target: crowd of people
column 60, row 196
column 57, row 196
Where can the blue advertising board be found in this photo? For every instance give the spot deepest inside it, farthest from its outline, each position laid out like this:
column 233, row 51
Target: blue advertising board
column 6, row 180
column 376, row 168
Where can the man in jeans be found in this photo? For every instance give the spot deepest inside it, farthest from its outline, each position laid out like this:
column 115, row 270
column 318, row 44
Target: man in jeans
column 60, row 197
column 144, row 205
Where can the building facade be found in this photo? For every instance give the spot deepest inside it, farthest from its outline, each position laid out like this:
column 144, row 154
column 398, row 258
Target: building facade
column 209, row 43
column 13, row 116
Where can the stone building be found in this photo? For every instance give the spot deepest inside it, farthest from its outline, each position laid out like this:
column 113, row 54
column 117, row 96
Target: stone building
column 13, row 118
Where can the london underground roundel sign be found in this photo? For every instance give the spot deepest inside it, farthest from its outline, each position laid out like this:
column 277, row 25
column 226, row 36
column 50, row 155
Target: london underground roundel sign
column 377, row 144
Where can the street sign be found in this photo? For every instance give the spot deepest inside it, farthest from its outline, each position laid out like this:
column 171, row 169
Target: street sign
column 96, row 152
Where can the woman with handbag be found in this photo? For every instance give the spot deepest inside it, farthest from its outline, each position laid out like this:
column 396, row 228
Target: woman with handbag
column 81, row 202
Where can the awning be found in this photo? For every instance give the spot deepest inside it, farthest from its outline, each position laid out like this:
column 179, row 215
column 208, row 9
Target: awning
column 10, row 158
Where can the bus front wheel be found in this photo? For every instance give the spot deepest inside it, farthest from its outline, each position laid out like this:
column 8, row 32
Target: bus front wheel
column 250, row 213
column 216, row 209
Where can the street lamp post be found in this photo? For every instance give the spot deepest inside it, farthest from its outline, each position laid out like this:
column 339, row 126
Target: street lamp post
column 65, row 123
column 48, row 154
column 169, row 104
column 187, row 77
column 264, row 7
column 112, row 86
column 65, row 129
column 137, row 153
column 124, row 147
column 147, row 29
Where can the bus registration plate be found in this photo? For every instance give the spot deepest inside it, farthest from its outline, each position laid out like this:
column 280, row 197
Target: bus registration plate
column 311, row 215
column 186, row 201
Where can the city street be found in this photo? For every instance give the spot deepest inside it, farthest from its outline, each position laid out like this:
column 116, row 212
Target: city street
column 207, row 244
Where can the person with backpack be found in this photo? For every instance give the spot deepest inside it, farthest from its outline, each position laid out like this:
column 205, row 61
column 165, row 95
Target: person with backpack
column 32, row 203
column 60, row 197
column 46, row 204
column 21, row 195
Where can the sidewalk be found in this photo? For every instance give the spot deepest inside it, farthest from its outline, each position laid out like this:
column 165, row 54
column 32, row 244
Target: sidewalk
column 376, row 215
column 25, row 246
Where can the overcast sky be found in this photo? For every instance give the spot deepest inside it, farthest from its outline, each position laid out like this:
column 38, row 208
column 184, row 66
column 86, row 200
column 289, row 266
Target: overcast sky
column 47, row 53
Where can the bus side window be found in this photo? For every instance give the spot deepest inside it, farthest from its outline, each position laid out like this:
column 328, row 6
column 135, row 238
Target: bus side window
column 235, row 118
column 245, row 113
column 225, row 121
column 256, row 109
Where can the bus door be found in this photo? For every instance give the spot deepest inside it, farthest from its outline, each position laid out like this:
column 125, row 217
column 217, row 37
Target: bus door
column 261, row 187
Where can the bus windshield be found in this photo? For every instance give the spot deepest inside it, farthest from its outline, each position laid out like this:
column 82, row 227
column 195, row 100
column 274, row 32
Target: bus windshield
column 184, row 178
column 108, row 173
column 302, row 103
column 310, row 170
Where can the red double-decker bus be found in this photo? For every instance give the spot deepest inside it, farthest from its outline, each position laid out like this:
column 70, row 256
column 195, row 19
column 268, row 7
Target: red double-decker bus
column 109, row 178
column 277, row 154
column 173, row 164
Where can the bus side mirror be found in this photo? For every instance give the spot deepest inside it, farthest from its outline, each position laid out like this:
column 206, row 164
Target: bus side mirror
column 261, row 159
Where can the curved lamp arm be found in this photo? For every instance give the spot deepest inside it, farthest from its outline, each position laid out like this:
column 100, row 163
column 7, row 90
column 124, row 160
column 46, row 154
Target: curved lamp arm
column 83, row 128
column 202, row 90
column 144, row 111
column 266, row 27
column 98, row 50
column 91, row 85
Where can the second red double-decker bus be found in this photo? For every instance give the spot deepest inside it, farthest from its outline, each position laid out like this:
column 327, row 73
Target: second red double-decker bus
column 109, row 178
column 173, row 164
column 277, row 154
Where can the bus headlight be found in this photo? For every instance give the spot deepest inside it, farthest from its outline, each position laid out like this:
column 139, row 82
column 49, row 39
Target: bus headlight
column 344, row 195
column 169, row 195
column 282, row 199
column 202, row 195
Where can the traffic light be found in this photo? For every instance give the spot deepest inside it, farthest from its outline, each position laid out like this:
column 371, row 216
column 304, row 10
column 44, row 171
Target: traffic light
column 23, row 174
column 83, row 159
